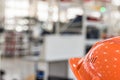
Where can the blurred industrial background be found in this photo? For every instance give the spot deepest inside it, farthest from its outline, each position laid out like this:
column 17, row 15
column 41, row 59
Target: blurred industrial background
column 37, row 37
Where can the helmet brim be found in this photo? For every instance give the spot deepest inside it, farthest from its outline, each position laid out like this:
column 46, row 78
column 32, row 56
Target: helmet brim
column 74, row 64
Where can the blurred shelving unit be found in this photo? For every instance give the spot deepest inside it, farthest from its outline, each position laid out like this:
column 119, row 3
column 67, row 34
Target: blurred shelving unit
column 95, row 28
column 1, row 27
column 74, row 26
column 1, row 44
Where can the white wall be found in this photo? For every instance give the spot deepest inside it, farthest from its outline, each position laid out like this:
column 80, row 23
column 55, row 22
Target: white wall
column 59, row 48
column 63, row 47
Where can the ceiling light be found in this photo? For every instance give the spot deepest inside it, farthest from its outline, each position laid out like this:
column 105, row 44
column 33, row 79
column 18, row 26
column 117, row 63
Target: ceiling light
column 96, row 14
column 72, row 12
column 116, row 2
column 19, row 29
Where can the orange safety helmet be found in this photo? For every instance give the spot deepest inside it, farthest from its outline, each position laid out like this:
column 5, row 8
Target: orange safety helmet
column 101, row 63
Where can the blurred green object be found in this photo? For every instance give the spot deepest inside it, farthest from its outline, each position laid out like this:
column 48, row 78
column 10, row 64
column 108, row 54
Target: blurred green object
column 102, row 9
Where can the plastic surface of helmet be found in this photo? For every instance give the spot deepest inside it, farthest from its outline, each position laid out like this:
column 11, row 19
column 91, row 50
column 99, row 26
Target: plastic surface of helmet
column 101, row 63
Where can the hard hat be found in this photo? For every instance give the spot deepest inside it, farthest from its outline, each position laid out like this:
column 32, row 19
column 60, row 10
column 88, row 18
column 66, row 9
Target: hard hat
column 101, row 63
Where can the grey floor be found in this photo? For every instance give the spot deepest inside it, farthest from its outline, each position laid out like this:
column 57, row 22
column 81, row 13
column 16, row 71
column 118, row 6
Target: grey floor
column 17, row 68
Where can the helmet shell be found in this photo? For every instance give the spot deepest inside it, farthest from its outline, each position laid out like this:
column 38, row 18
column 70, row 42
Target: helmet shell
column 101, row 63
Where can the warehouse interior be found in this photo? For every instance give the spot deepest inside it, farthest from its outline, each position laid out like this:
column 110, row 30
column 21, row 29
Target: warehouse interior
column 38, row 37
